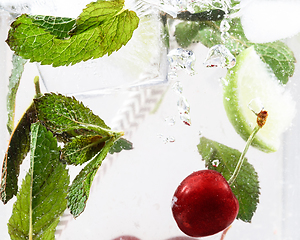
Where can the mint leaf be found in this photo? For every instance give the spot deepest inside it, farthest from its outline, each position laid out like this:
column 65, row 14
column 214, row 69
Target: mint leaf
column 119, row 145
column 65, row 114
column 96, row 13
column 246, row 185
column 118, row 30
column 82, row 148
column 14, row 81
column 32, row 39
column 279, row 57
column 186, row 32
column 80, row 189
column 18, row 148
column 276, row 55
column 57, row 26
column 42, row 197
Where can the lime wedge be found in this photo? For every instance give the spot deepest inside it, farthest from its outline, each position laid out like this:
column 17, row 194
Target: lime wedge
column 252, row 81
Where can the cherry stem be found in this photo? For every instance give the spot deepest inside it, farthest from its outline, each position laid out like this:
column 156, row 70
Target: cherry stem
column 224, row 233
column 261, row 120
column 242, row 157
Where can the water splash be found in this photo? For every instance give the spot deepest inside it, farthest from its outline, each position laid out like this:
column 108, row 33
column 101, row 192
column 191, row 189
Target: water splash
column 181, row 59
column 169, row 139
column 183, row 105
column 219, row 56
column 185, row 118
column 224, row 5
column 177, row 87
column 184, row 110
column 170, row 121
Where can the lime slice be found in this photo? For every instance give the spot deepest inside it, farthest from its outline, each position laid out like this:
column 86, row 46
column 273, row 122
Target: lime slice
column 247, row 82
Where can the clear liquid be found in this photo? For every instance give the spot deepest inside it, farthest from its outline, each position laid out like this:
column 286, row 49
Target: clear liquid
column 132, row 191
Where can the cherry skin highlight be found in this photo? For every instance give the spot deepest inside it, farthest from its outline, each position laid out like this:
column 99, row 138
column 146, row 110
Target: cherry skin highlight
column 204, row 204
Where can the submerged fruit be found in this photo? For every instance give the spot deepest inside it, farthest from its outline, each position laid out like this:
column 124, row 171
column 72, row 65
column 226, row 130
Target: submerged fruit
column 126, row 237
column 203, row 204
column 252, row 82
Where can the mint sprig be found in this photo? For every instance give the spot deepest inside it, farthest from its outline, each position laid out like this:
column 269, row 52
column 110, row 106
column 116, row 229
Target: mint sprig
column 102, row 28
column 85, row 135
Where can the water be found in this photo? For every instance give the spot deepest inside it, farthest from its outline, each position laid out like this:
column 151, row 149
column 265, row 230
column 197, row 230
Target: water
column 181, row 59
column 170, row 121
column 177, row 87
column 219, row 56
column 224, row 25
column 166, row 139
column 133, row 189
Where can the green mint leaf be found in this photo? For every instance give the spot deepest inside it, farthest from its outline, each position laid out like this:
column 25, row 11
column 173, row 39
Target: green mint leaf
column 246, row 186
column 95, row 14
column 118, row 30
column 42, row 197
column 82, row 148
column 119, row 145
column 276, row 55
column 14, row 81
column 186, row 32
column 80, row 189
column 18, row 148
column 57, row 26
column 90, row 40
column 279, row 57
column 65, row 114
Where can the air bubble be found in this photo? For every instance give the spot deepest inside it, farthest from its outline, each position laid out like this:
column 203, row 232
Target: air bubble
column 219, row 56
column 169, row 139
column 177, row 87
column 215, row 163
column 224, row 26
column 181, row 59
column 185, row 118
column 255, row 105
column 170, row 121
column 183, row 105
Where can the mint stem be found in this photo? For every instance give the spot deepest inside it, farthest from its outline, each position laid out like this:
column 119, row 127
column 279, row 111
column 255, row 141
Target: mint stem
column 242, row 157
column 37, row 87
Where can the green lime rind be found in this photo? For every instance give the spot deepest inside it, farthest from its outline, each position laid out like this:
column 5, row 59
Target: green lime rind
column 238, row 120
column 249, row 79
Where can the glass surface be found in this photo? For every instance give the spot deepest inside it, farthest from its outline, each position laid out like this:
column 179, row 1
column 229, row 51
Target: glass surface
column 130, row 90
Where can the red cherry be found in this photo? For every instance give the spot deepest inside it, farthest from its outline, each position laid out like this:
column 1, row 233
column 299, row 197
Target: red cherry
column 182, row 238
column 126, row 237
column 203, row 204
